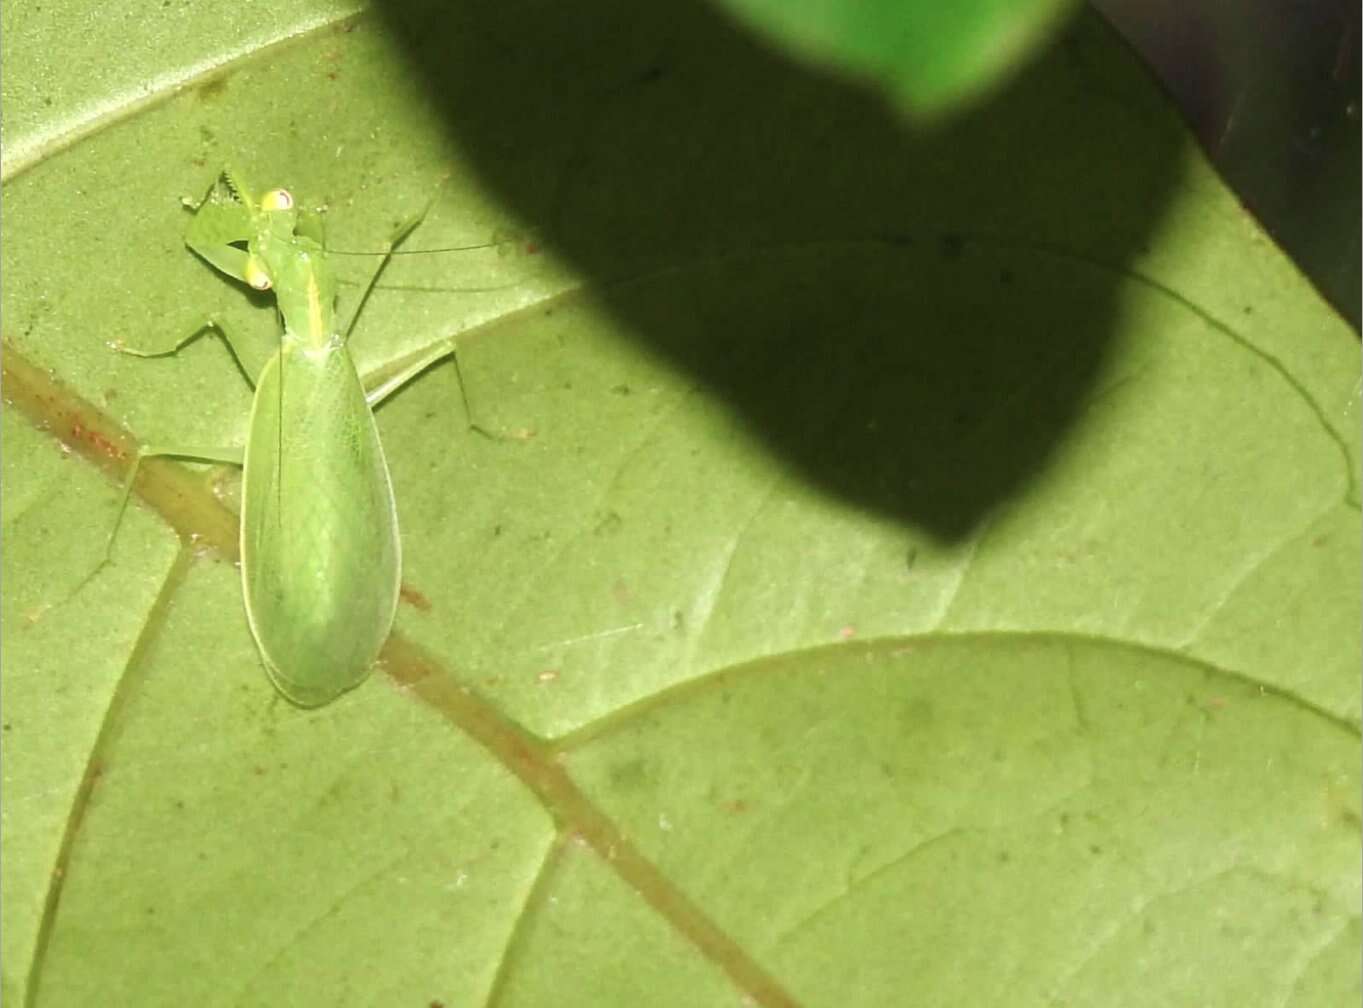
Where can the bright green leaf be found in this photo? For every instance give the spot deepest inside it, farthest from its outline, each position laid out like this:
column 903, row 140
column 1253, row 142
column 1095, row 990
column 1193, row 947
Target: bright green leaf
column 930, row 56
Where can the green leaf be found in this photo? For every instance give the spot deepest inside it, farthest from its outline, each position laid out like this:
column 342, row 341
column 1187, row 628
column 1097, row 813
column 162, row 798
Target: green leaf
column 921, row 566
column 930, row 56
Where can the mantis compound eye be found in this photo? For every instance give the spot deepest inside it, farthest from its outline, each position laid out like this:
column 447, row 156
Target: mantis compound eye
column 257, row 277
column 277, row 199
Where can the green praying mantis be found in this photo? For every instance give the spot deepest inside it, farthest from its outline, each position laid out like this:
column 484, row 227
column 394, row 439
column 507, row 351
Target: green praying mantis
column 321, row 556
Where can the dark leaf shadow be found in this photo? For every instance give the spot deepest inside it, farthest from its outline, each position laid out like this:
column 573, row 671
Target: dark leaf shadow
column 911, row 318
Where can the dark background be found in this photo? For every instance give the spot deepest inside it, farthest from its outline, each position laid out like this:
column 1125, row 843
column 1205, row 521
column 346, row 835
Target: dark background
column 1271, row 87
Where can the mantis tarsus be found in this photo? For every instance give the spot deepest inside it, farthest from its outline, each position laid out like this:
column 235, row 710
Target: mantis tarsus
column 320, row 549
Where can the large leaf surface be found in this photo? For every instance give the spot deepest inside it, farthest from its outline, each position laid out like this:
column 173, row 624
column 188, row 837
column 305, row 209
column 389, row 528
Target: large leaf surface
column 917, row 566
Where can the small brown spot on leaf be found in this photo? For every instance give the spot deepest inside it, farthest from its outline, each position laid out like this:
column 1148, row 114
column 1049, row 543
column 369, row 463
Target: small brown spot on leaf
column 415, row 599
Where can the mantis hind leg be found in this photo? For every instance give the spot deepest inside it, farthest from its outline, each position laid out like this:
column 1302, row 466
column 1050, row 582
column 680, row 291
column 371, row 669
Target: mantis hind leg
column 378, row 391
column 390, row 384
column 227, row 456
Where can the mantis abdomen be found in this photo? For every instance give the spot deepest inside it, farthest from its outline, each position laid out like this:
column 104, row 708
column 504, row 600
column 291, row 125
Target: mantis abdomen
column 320, row 551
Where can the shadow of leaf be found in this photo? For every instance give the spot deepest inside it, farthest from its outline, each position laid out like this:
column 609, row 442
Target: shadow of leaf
column 909, row 317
